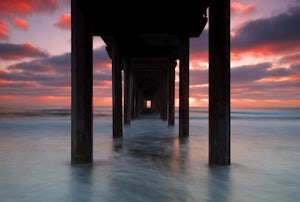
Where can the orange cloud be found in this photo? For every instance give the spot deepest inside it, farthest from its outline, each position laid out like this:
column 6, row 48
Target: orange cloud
column 64, row 21
column 199, row 56
column 11, row 8
column 3, row 30
column 21, row 23
column 37, row 100
column 267, row 48
column 238, row 6
column 102, row 101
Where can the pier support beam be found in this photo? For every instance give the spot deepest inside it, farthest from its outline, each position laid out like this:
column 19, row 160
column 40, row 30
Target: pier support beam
column 132, row 93
column 116, row 89
column 127, row 96
column 164, row 95
column 184, row 88
column 219, row 82
column 171, row 117
column 82, row 86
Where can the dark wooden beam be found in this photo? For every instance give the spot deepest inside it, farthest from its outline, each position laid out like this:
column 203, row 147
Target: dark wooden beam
column 164, row 87
column 82, row 86
column 171, row 78
column 219, row 82
column 127, row 96
column 184, row 89
column 116, row 89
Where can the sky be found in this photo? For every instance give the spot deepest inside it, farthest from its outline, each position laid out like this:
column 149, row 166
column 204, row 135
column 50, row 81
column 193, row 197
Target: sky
column 35, row 47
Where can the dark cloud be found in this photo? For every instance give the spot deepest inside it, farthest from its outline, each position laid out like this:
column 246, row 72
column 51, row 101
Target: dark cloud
column 296, row 67
column 290, row 58
column 14, row 77
column 199, row 46
column 249, row 73
column 268, row 90
column 102, row 76
column 10, row 51
column 60, row 63
column 279, row 33
column 242, row 74
column 100, row 54
column 246, row 82
column 55, row 65
column 53, row 80
column 36, row 66
column 281, row 72
column 247, row 78
column 52, row 73
column 274, row 35
column 198, row 77
column 51, row 76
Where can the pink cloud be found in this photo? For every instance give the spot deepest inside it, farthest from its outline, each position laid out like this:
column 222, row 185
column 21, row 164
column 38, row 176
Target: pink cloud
column 64, row 21
column 238, row 6
column 14, row 8
column 3, row 30
column 21, row 23
column 291, row 58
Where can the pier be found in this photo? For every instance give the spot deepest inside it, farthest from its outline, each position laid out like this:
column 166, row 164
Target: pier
column 146, row 41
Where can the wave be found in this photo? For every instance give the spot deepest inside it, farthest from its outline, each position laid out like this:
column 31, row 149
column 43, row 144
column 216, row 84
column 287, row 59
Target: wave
column 195, row 113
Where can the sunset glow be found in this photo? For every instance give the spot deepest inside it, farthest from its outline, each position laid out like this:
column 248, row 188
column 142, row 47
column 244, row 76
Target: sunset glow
column 35, row 58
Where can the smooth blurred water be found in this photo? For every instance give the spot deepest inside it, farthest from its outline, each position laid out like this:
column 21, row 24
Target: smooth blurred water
column 150, row 163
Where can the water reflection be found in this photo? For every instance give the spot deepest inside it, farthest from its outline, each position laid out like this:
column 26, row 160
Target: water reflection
column 149, row 167
column 81, row 183
column 117, row 144
column 219, row 183
column 168, row 153
column 149, row 164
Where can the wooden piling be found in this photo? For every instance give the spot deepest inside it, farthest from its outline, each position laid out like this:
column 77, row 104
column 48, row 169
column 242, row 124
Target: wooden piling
column 184, row 88
column 219, row 82
column 127, row 96
column 116, row 89
column 82, row 86
column 171, row 78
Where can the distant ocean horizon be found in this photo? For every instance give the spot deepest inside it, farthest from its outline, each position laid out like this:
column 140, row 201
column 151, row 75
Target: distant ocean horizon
column 14, row 111
column 150, row 163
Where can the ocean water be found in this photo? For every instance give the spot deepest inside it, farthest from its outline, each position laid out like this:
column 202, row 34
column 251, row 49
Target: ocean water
column 150, row 163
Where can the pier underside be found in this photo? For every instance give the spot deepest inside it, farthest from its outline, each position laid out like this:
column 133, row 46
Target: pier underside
column 146, row 41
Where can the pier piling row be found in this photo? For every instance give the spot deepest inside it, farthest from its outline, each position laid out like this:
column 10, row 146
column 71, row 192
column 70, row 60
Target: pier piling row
column 147, row 43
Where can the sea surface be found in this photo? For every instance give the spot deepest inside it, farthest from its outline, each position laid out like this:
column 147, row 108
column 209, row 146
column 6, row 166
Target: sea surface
column 150, row 163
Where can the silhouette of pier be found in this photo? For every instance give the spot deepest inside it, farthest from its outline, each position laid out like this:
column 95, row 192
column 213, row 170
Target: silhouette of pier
column 146, row 40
